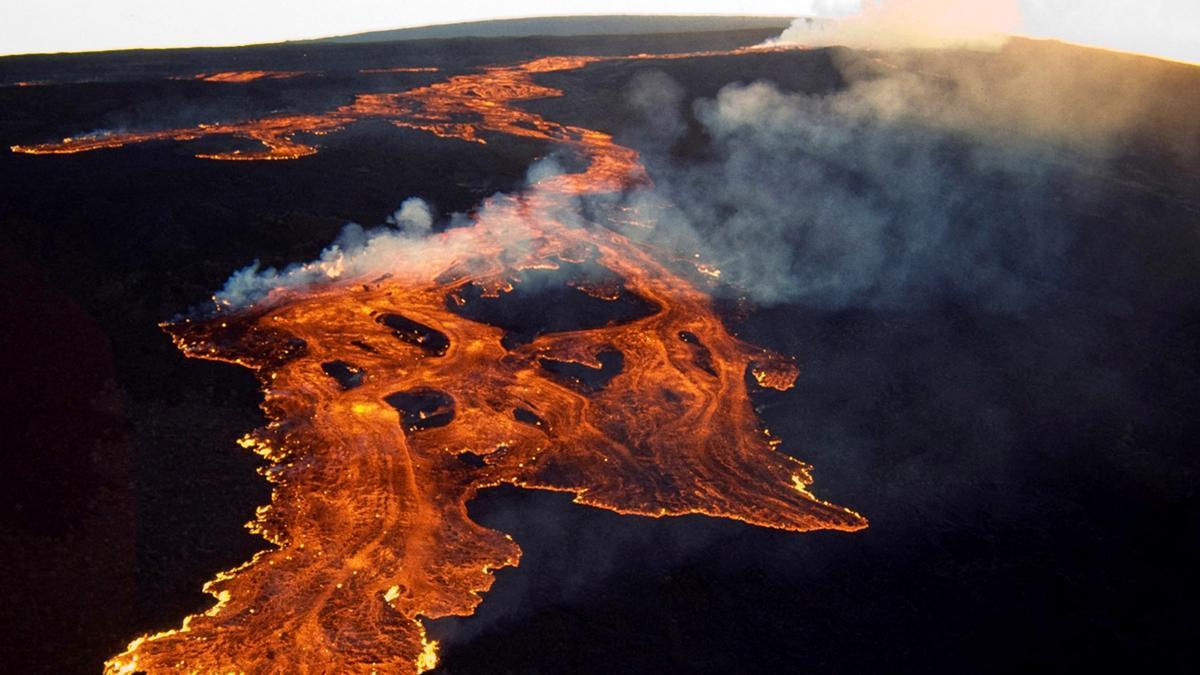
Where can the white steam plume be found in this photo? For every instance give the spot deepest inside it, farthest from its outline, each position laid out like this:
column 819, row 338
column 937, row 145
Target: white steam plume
column 414, row 216
column 406, row 248
column 900, row 24
column 404, row 243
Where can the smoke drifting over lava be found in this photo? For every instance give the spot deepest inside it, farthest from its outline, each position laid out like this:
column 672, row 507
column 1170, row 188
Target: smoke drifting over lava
column 924, row 177
column 357, row 252
column 920, row 176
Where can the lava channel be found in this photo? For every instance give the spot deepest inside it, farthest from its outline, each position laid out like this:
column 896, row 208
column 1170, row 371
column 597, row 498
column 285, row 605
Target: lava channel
column 392, row 403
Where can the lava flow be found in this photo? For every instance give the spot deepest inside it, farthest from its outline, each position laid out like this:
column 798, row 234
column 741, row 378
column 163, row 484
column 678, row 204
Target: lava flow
column 458, row 108
column 238, row 76
column 395, row 397
column 399, row 69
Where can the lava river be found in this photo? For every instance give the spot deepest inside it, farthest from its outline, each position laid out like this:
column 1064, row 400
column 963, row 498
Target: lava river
column 394, row 398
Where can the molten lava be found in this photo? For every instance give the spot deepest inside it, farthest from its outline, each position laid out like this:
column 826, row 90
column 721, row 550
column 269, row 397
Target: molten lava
column 248, row 75
column 391, row 404
column 400, row 69
column 458, row 108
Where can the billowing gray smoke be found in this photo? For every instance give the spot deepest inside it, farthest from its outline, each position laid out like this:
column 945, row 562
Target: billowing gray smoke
column 822, row 200
column 929, row 175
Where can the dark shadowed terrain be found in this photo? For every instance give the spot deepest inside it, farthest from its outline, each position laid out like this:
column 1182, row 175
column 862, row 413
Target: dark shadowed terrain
column 986, row 265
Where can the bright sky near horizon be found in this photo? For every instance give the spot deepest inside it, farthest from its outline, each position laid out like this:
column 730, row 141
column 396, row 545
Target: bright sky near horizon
column 1169, row 28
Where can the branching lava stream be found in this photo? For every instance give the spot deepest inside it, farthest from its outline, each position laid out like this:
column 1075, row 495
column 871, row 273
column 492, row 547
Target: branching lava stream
column 390, row 407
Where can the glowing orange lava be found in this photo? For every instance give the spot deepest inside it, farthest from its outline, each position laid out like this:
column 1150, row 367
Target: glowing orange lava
column 400, row 69
column 248, row 75
column 450, row 109
column 390, row 409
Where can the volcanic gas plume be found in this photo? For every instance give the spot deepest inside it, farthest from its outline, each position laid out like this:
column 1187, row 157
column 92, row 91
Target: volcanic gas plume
column 394, row 398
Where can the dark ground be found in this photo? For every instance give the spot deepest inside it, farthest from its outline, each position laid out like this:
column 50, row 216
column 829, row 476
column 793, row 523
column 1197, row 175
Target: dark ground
column 1029, row 476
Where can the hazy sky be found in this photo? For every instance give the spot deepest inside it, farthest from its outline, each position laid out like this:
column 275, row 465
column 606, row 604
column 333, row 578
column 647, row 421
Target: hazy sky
column 1166, row 27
